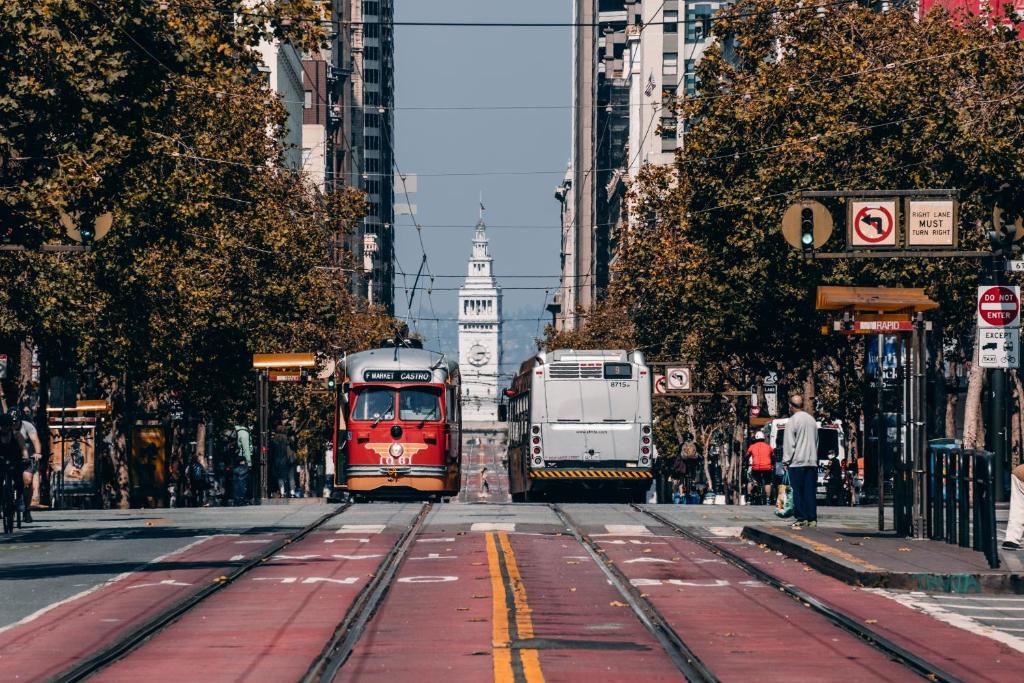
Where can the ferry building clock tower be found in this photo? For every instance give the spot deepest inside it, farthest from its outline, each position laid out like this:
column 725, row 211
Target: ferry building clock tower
column 480, row 333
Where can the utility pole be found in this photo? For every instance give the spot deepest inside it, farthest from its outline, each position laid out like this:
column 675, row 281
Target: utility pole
column 997, row 383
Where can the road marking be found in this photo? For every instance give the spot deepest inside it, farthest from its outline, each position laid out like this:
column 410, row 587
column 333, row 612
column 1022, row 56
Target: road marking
column 710, row 583
column 428, row 579
column 435, row 556
column 347, row 581
column 342, row 540
column 355, row 557
column 434, row 540
column 280, row 579
column 294, row 557
column 493, row 526
column 636, row 560
column 236, row 558
column 626, row 530
column 963, row 621
column 996, row 608
column 255, row 540
column 165, row 582
column 360, row 529
column 631, row 541
column 120, row 577
column 511, row 616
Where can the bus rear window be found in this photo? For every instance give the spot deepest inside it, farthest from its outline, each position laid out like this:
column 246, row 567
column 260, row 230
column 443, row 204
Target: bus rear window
column 618, row 371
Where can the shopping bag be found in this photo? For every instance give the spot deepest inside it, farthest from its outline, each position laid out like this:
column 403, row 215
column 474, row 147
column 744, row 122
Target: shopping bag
column 784, row 504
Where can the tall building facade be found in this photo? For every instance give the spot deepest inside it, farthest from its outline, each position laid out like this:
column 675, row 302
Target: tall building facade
column 373, row 95
column 631, row 59
column 480, row 333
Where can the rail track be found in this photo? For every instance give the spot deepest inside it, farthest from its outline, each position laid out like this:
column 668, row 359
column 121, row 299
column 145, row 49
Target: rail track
column 913, row 662
column 124, row 645
column 340, row 646
column 678, row 651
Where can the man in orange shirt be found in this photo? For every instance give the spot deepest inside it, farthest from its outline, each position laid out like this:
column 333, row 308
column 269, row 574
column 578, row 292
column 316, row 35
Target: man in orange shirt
column 760, row 454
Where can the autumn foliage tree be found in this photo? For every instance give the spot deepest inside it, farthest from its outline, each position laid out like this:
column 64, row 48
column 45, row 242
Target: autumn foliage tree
column 158, row 113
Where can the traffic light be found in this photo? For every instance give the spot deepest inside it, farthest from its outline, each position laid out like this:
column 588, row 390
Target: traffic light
column 332, row 383
column 807, row 231
column 87, row 231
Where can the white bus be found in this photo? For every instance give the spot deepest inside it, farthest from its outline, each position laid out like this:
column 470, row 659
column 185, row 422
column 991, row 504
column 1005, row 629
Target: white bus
column 580, row 426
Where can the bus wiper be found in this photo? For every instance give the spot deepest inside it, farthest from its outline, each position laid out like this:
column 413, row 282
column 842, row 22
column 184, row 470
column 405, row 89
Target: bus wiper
column 568, row 419
column 613, row 419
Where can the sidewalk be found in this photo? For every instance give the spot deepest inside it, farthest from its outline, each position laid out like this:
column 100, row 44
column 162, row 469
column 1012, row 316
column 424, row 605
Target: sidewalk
column 884, row 560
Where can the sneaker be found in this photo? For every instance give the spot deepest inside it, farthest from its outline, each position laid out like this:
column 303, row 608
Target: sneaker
column 813, row 523
column 1010, row 545
column 799, row 524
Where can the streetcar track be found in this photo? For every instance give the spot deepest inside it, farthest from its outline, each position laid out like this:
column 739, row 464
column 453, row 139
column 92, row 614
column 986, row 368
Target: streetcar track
column 678, row 651
column 917, row 664
column 126, row 644
column 341, row 644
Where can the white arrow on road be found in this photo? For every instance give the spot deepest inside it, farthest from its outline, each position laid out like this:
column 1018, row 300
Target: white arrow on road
column 165, row 582
column 647, row 559
column 294, row 557
column 356, row 557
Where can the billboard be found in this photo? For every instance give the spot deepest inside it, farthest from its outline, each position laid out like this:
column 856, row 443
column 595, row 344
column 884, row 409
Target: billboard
column 73, row 447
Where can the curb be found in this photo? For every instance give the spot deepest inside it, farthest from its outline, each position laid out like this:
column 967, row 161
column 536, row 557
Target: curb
column 992, row 582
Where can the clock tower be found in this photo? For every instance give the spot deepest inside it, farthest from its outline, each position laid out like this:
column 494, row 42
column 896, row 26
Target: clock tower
column 480, row 333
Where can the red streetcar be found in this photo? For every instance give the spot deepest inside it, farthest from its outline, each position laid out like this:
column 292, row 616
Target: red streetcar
column 399, row 427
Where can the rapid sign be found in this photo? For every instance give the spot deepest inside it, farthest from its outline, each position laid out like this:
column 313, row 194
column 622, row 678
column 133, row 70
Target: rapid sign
column 998, row 306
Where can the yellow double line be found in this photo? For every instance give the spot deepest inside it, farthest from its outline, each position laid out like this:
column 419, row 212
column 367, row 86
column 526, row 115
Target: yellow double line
column 511, row 619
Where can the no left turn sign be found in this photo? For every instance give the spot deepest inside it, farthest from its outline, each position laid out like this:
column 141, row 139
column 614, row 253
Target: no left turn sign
column 998, row 306
column 872, row 223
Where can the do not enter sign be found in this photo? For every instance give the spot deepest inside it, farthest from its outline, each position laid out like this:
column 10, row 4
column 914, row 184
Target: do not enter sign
column 998, row 306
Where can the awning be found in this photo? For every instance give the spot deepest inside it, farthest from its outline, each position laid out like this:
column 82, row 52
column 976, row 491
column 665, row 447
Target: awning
column 874, row 299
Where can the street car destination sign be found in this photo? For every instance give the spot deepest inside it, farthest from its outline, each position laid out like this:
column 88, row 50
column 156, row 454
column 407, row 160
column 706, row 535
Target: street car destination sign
column 396, row 375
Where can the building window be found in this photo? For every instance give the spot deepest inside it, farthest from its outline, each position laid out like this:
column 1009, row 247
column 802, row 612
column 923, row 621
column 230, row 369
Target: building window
column 690, row 81
column 668, row 127
column 371, row 97
column 670, row 62
column 371, row 120
column 671, row 24
column 308, row 101
column 698, row 23
column 307, row 154
column 371, row 7
column 372, row 165
column 373, row 142
column 371, row 76
column 371, row 52
column 371, row 30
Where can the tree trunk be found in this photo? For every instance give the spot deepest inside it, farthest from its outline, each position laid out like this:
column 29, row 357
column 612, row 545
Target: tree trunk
column 119, row 493
column 974, row 436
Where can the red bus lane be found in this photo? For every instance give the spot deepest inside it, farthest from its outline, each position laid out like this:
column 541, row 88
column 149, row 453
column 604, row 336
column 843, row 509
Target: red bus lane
column 435, row 622
column 574, row 620
column 739, row 627
column 970, row 656
column 52, row 640
column 272, row 622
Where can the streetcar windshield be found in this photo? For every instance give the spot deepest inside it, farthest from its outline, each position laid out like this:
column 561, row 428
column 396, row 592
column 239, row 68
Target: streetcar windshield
column 419, row 404
column 374, row 403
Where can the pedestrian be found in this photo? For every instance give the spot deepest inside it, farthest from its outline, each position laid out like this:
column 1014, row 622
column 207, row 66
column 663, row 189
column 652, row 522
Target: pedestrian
column 284, row 466
column 834, row 481
column 1015, row 525
column 760, row 455
column 800, row 455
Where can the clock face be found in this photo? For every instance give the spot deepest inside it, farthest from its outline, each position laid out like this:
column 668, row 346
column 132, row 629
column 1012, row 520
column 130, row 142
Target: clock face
column 478, row 355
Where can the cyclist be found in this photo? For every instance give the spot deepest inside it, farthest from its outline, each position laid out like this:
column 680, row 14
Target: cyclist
column 12, row 450
column 760, row 455
column 33, row 453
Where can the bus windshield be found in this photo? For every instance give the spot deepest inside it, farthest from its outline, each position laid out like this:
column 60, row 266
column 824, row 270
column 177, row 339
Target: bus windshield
column 419, row 404
column 374, row 403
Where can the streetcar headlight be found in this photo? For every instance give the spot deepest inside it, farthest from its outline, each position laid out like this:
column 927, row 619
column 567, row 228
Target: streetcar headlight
column 396, row 450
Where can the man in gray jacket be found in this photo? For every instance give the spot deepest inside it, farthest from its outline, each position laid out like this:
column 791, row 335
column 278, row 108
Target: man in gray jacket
column 800, row 456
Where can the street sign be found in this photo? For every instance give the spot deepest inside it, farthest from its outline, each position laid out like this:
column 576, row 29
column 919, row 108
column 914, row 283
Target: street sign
column 871, row 223
column 1015, row 266
column 791, row 223
column 771, row 379
column 931, row 222
column 678, row 379
column 659, row 385
column 998, row 306
column 1000, row 348
column 3, row 366
column 285, row 375
column 882, row 326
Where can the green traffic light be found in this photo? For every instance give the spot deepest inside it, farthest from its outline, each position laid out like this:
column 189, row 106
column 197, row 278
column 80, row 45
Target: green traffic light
column 807, row 238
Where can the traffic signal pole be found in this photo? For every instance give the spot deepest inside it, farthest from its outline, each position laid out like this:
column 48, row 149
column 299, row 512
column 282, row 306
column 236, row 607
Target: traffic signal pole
column 998, row 396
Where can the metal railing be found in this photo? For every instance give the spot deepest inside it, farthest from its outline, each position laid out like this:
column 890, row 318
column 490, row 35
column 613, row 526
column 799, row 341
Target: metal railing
column 962, row 498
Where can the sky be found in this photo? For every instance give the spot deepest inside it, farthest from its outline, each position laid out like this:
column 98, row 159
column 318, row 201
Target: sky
column 482, row 67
